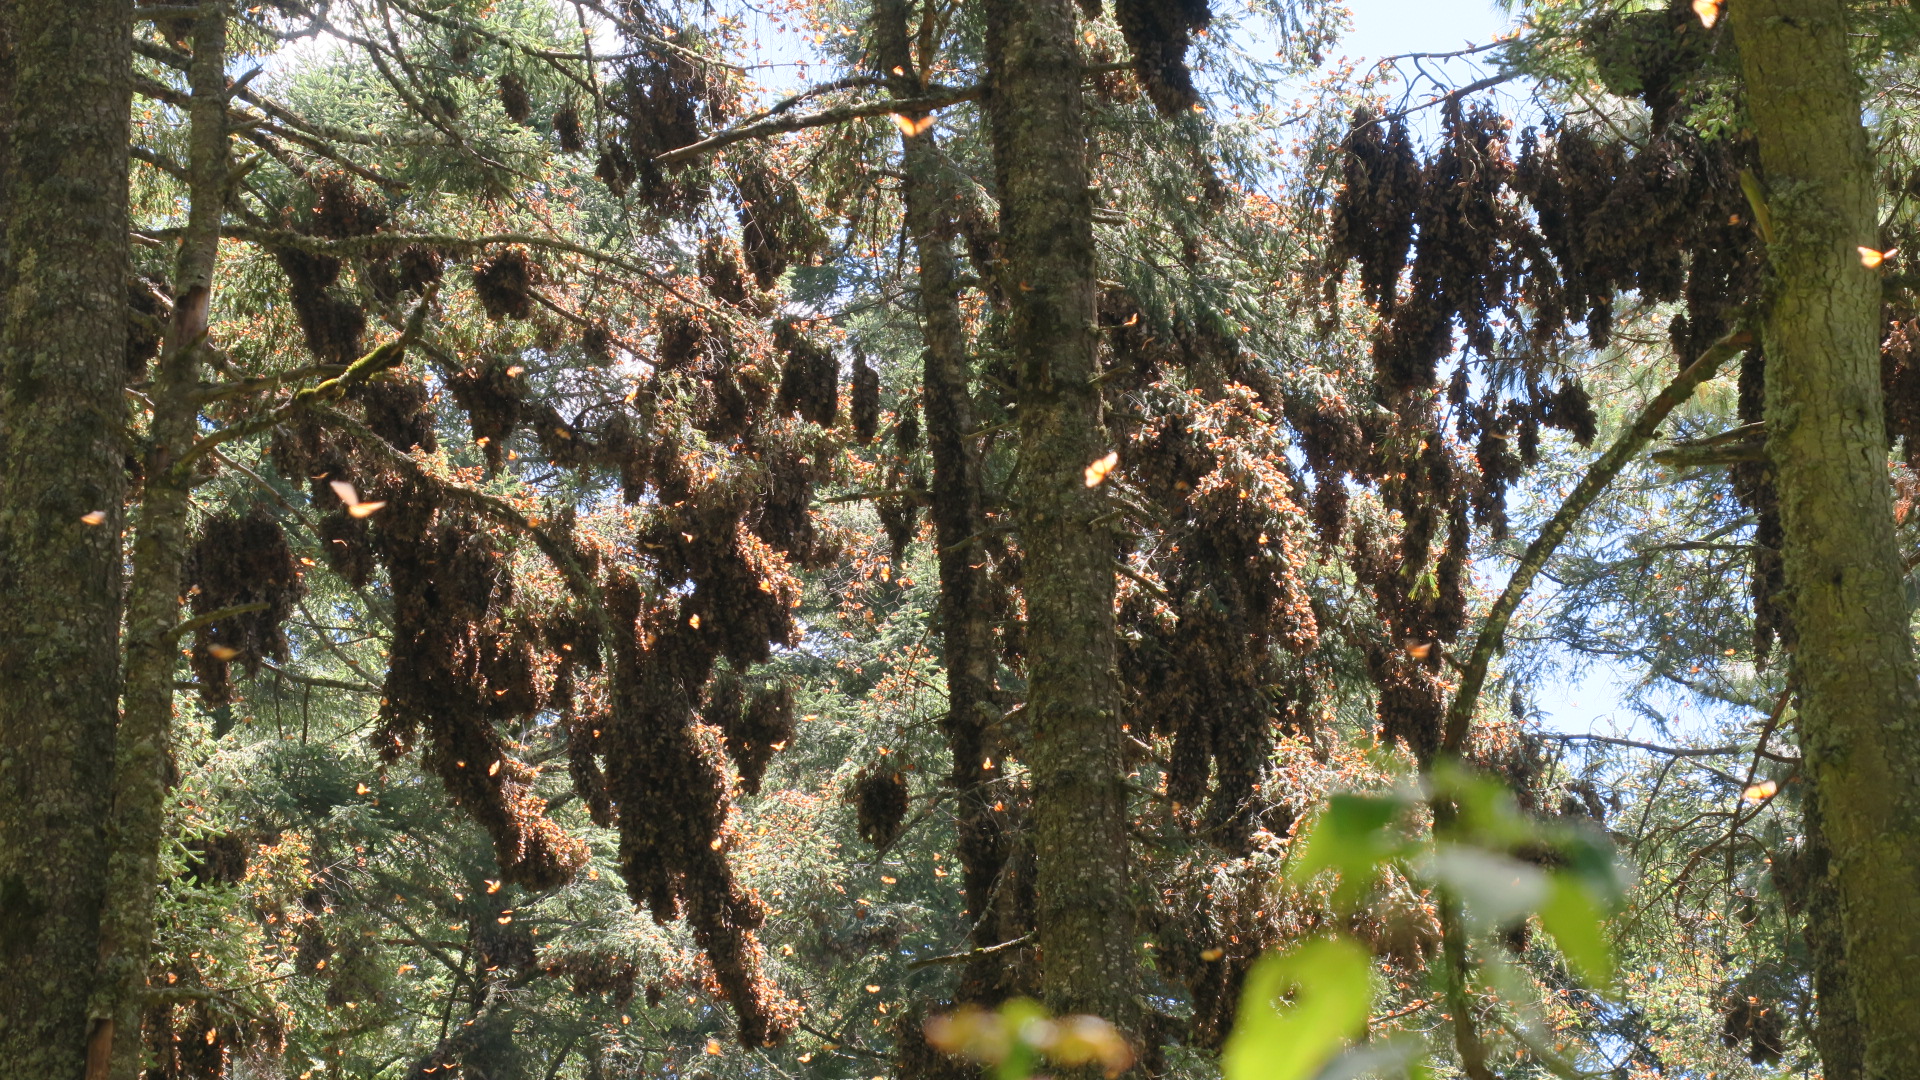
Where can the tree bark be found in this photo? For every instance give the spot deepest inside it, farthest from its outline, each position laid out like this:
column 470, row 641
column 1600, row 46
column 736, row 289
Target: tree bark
column 1860, row 705
column 143, row 754
column 966, row 628
column 1083, row 902
column 1836, row 1029
column 62, row 460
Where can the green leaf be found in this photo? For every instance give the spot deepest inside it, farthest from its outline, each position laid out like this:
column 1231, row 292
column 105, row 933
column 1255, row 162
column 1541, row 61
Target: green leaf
column 1577, row 920
column 1354, row 837
column 1332, row 990
column 1498, row 890
column 1018, row 1017
column 1489, row 815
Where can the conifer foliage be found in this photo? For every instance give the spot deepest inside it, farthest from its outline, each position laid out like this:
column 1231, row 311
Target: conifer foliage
column 680, row 578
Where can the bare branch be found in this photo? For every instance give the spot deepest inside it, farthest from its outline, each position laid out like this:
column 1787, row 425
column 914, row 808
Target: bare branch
column 938, row 99
column 970, row 954
column 211, row 617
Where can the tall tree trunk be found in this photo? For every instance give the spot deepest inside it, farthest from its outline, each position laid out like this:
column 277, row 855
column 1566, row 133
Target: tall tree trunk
column 1083, row 904
column 1860, row 704
column 1836, row 1029
column 966, row 628
column 143, row 756
column 62, row 461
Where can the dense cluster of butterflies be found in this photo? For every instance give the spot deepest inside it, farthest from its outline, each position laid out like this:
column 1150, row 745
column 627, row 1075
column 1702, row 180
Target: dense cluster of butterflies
column 646, row 655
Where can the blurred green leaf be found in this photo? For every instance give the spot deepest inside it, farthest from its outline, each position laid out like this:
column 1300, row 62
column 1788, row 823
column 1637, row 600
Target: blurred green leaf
column 1354, row 835
column 1498, row 890
column 1018, row 1017
column 1591, row 856
column 1331, row 991
column 1489, row 815
column 1576, row 918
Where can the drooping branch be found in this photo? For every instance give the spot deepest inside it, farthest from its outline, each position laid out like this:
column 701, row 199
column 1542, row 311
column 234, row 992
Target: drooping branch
column 1600, row 474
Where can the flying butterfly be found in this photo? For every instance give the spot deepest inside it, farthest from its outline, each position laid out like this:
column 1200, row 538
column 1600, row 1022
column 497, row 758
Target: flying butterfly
column 909, row 126
column 1097, row 472
column 348, row 495
column 1708, row 10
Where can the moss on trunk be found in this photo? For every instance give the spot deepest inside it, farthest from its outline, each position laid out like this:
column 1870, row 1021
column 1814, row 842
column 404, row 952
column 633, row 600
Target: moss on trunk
column 1854, row 664
column 143, row 753
column 62, row 461
column 1083, row 902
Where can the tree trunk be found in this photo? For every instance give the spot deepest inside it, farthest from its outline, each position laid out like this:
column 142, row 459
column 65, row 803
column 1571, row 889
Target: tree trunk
column 1836, row 1029
column 1083, row 902
column 1860, row 705
column 62, row 461
column 966, row 628
column 144, row 753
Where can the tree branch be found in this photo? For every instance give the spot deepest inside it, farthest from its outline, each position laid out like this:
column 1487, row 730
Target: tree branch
column 325, row 684
column 381, row 358
column 1598, row 476
column 781, row 125
column 211, row 617
column 1670, row 751
column 970, row 954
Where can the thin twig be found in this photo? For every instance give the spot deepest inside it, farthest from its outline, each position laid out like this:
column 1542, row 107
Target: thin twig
column 211, row 617
column 971, row 954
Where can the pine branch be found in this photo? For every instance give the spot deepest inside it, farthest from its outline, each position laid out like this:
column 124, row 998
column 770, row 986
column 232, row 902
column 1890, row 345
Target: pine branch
column 376, row 243
column 384, row 356
column 1598, row 476
column 316, row 681
column 565, row 560
column 937, row 100
column 211, row 617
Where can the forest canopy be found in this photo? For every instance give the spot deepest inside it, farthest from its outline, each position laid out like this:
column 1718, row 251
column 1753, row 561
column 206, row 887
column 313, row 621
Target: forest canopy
column 888, row 539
